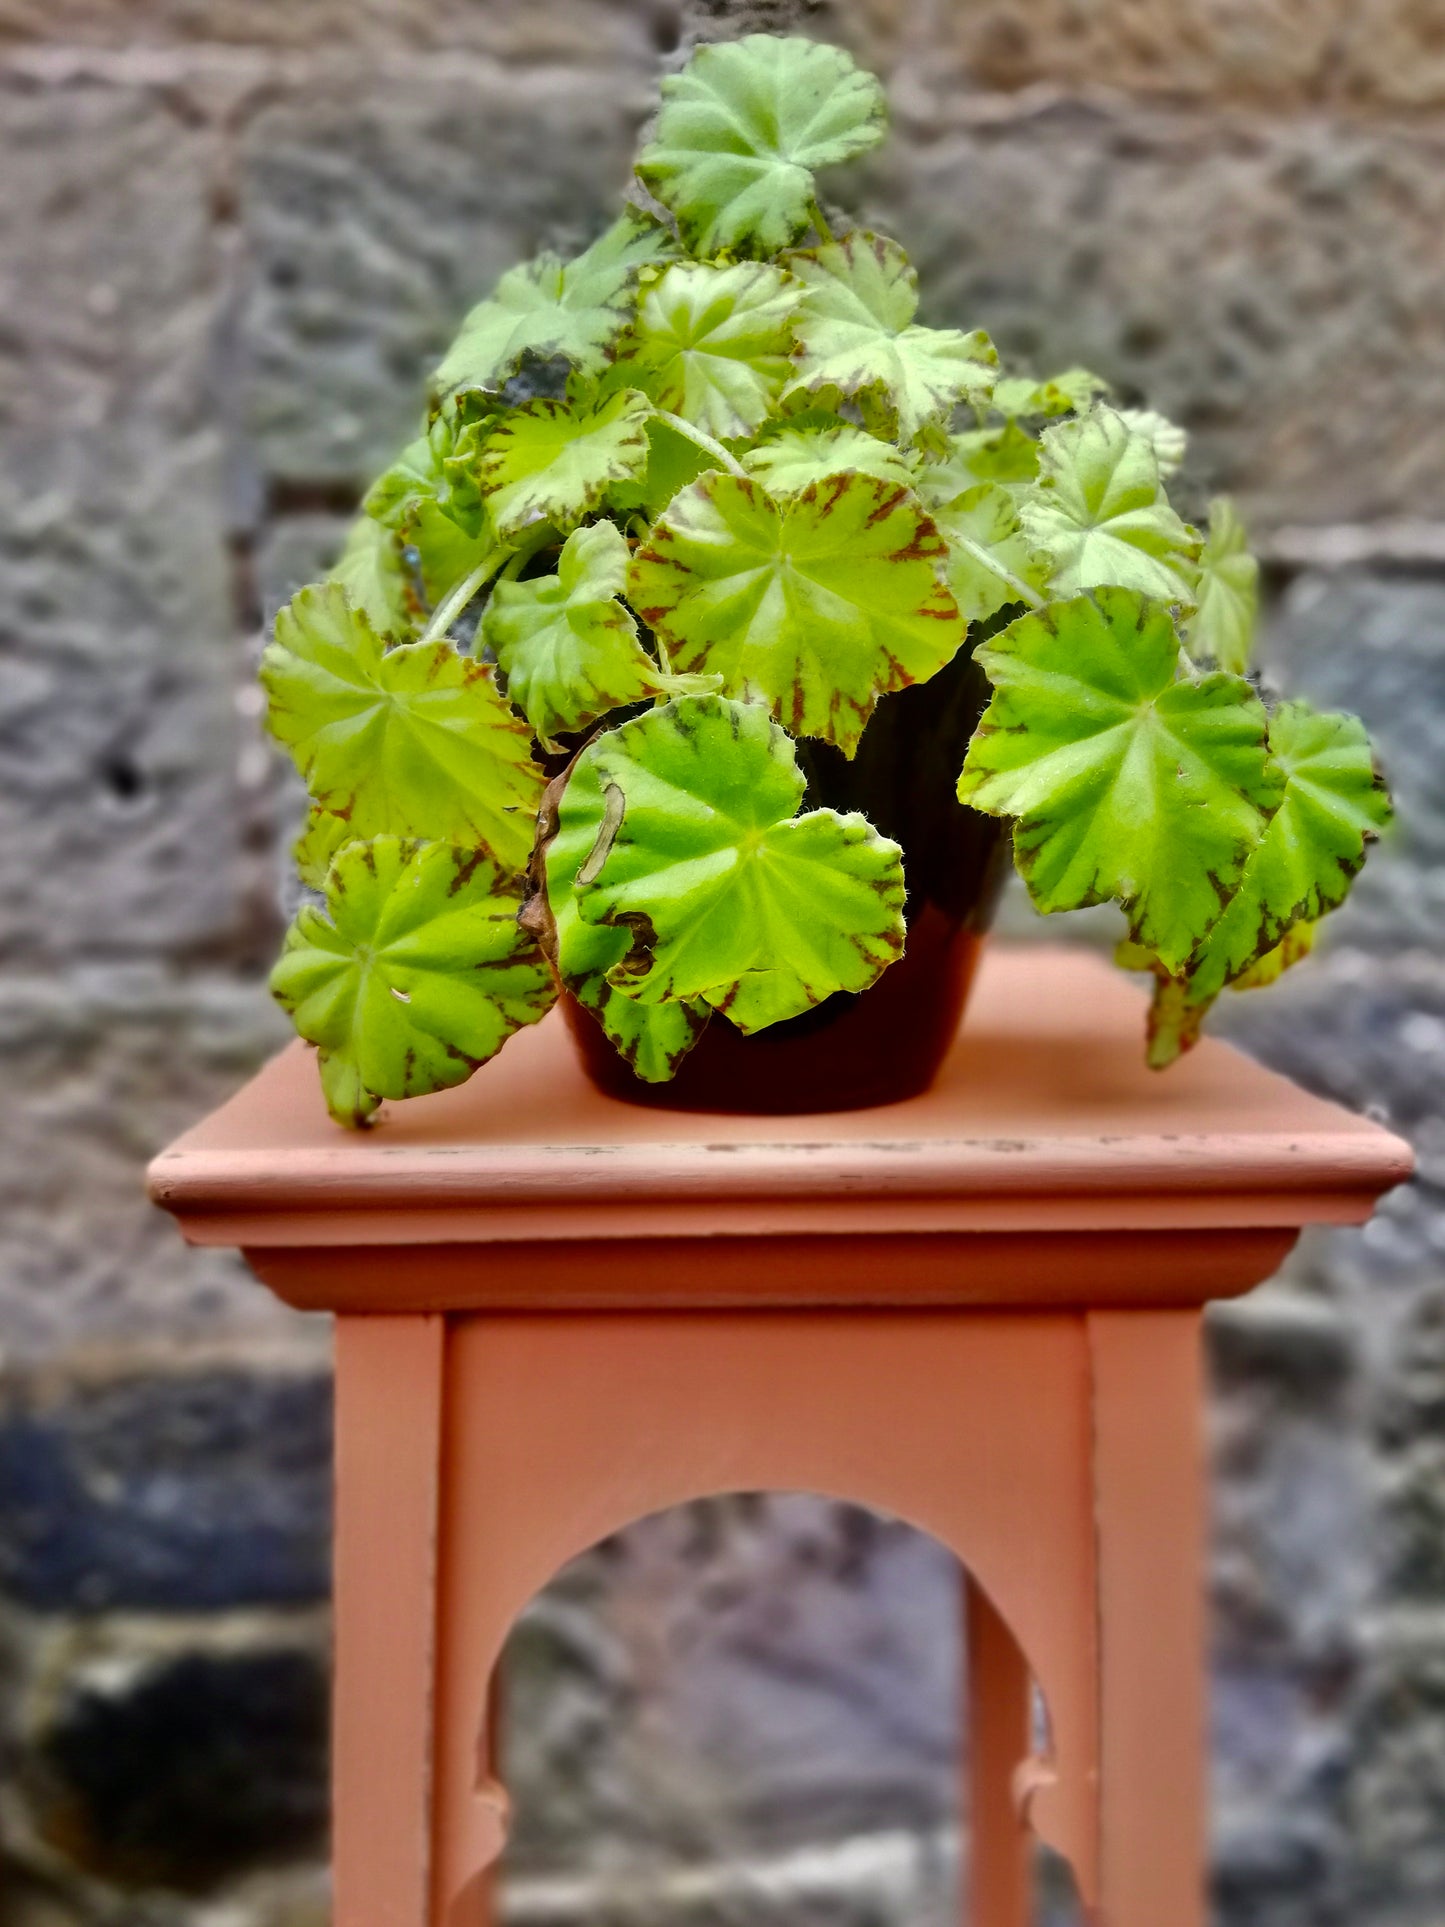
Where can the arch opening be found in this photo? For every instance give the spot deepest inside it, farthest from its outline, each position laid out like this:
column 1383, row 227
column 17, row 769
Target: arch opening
column 746, row 1707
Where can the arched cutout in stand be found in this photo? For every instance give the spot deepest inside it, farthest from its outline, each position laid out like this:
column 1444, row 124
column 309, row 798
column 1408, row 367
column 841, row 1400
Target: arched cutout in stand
column 561, row 1432
column 811, row 1723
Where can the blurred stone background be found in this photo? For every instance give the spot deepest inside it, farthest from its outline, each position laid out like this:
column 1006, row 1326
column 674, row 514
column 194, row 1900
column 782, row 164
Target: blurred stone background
column 232, row 236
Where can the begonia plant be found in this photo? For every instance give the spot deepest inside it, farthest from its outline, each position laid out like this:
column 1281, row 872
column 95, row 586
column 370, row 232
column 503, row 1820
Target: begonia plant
column 703, row 495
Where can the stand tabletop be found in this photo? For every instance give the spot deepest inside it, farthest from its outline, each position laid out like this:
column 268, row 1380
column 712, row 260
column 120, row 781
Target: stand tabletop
column 1044, row 1117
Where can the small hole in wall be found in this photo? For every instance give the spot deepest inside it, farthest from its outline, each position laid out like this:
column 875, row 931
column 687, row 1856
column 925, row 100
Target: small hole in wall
column 125, row 783
column 665, row 25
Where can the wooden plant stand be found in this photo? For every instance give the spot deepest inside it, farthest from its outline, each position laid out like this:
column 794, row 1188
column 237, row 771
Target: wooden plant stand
column 978, row 1311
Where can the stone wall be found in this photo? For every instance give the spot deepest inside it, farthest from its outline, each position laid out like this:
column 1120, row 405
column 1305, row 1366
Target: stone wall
column 231, row 237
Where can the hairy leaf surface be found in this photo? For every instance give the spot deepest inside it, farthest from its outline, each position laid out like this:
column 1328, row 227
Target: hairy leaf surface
column 857, row 336
column 652, row 1038
column 1222, row 626
column 742, row 130
column 990, row 562
column 712, row 344
column 1168, row 440
column 1067, row 394
column 816, row 604
column 1125, row 780
column 575, row 310
column 790, row 458
column 554, row 461
column 567, row 646
column 1098, row 511
column 372, row 573
column 414, row 975
column 413, row 740
column 728, row 894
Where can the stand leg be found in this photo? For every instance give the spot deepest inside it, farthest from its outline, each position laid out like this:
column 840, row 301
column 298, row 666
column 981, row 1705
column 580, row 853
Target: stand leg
column 388, row 1432
column 1148, row 1482
column 998, row 1738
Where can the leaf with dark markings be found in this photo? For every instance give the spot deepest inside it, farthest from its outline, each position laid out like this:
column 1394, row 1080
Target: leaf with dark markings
column 857, row 337
column 1126, row 779
column 816, row 604
column 726, row 893
column 574, row 310
column 567, row 646
column 990, row 562
column 712, row 344
column 321, row 837
column 792, row 457
column 414, row 974
column 371, row 571
column 652, row 1038
column 414, row 740
column 554, row 461
column 1335, row 804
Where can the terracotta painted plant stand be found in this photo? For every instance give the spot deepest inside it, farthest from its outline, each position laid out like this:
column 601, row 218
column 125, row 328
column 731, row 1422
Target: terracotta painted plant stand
column 978, row 1311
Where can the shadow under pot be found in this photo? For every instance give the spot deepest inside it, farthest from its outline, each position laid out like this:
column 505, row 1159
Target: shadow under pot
column 886, row 1043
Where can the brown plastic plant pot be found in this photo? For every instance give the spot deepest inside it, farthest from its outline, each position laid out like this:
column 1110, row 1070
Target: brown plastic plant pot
column 881, row 1047
column 885, row 1044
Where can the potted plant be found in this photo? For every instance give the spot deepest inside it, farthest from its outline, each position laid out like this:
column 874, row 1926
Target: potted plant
column 695, row 660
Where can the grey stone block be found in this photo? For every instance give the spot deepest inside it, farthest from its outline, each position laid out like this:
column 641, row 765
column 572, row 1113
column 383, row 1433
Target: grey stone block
column 1397, row 1799
column 1374, row 644
column 1286, row 51
column 167, row 1762
column 120, row 820
column 1227, row 270
column 375, row 217
column 101, row 1071
column 184, row 1491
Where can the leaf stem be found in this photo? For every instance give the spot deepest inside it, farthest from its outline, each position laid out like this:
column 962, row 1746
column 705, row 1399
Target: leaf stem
column 704, row 441
column 452, row 605
column 820, row 221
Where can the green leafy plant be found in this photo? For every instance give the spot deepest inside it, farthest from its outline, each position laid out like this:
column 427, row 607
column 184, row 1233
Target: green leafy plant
column 683, row 512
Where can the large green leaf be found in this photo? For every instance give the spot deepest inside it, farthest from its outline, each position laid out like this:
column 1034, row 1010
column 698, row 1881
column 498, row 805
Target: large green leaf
column 554, row 461
column 575, row 310
column 1099, row 512
column 1126, row 780
column 652, row 1038
column 414, row 740
column 567, row 646
column 414, row 975
column 1222, row 626
column 811, row 448
column 371, row 571
column 990, row 562
column 1334, row 806
column 857, row 336
column 712, row 344
column 816, row 604
column 727, row 894
column 743, row 128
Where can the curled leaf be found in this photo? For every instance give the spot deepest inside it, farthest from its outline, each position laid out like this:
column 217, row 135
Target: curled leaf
column 414, row 974
column 816, row 604
column 712, row 344
column 371, row 571
column 413, row 740
column 554, row 461
column 742, row 130
column 726, row 893
column 1098, row 511
column 857, row 336
column 1125, row 779
column 1067, row 394
column 653, row 1039
column 322, row 835
column 567, row 646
